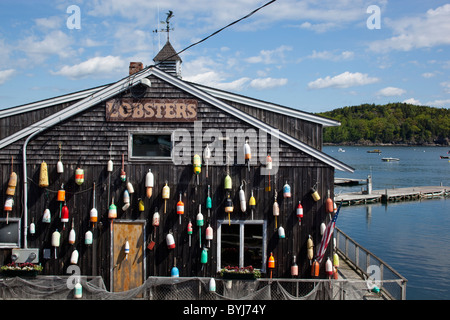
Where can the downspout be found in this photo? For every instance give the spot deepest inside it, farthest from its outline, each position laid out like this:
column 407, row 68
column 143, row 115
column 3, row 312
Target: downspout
column 25, row 186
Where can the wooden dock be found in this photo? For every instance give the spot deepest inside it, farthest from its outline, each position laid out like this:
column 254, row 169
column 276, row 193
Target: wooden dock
column 391, row 195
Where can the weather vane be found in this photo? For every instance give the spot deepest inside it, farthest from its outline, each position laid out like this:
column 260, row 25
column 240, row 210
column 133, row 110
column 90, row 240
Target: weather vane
column 167, row 23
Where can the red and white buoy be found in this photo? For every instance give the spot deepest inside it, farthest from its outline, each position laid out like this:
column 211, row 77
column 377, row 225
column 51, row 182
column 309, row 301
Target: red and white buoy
column 180, row 209
column 170, row 241
column 209, row 235
column 328, row 268
column 64, row 215
column 247, row 154
column 299, row 213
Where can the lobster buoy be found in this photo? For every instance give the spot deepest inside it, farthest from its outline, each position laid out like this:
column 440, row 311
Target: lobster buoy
column 78, row 291
column 287, row 190
column 209, row 201
column 252, row 203
column 200, row 223
column 209, row 235
column 229, row 208
column 9, row 204
column 79, row 176
column 170, row 241
column 336, row 260
column 189, row 232
column 74, row 257
column 269, row 167
column 315, row 269
column 59, row 167
column 126, row 249
column 149, row 183
column 294, row 267
column 126, row 200
column 56, row 239
column 180, row 209
column 123, row 175
column 165, row 195
column 47, row 216
column 197, row 163
column 141, row 206
column 322, row 228
column 207, row 156
column 43, row 175
column 228, row 183
column 212, row 285
column 93, row 214
column 32, row 227
column 276, row 210
column 88, row 238
column 315, row 195
column 299, row 213
column 130, row 187
column 247, row 154
column 329, row 205
column 64, row 215
column 281, row 233
column 242, row 200
column 110, row 166
column 155, row 219
column 61, row 195
column 12, row 184
column 174, row 273
column 310, row 249
column 271, row 264
column 72, row 235
column 335, row 273
column 328, row 268
column 204, row 256
column 112, row 212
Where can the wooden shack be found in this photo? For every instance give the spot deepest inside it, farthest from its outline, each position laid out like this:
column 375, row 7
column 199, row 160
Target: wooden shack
column 153, row 120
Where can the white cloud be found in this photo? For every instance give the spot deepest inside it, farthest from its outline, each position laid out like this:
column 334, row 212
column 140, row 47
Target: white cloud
column 412, row 101
column 96, row 67
column 439, row 103
column 6, row 74
column 54, row 43
column 428, row 74
column 425, row 31
column 328, row 55
column 268, row 83
column 391, row 92
column 446, row 86
column 318, row 27
column 343, row 80
column 270, row 56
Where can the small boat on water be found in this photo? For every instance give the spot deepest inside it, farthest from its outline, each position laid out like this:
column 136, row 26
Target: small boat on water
column 445, row 157
column 341, row 150
column 390, row 159
column 374, row 151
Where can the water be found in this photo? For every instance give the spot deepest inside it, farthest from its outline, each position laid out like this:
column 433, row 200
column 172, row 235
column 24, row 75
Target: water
column 413, row 236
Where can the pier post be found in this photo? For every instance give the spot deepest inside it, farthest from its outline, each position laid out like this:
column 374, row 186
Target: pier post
column 369, row 184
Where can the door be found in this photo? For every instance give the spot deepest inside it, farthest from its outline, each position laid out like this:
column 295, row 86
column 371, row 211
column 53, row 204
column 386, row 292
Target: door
column 128, row 269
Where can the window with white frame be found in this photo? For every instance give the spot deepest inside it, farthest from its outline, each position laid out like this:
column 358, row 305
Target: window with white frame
column 241, row 243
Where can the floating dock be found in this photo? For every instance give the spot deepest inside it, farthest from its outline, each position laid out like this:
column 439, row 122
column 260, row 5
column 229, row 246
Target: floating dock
column 394, row 194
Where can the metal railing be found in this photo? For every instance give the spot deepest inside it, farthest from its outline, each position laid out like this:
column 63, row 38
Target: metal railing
column 370, row 267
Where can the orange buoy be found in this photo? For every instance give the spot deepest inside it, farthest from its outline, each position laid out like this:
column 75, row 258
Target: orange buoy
column 12, row 183
column 329, row 204
column 315, row 269
column 180, row 209
column 271, row 264
column 61, row 195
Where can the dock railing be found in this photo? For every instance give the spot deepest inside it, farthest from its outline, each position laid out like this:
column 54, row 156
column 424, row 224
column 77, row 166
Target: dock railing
column 370, row 267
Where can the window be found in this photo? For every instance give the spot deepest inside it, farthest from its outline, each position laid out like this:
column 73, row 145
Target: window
column 151, row 145
column 10, row 233
column 241, row 243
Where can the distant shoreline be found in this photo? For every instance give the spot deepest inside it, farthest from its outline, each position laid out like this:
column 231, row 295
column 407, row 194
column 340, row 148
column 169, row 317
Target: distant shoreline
column 370, row 144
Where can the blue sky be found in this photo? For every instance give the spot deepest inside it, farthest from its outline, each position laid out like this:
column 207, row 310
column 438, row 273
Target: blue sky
column 311, row 55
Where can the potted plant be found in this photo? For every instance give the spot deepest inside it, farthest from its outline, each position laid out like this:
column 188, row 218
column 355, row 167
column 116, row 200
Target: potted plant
column 26, row 269
column 236, row 273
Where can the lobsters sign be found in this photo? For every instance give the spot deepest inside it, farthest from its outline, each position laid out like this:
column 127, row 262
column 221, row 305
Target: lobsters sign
column 151, row 110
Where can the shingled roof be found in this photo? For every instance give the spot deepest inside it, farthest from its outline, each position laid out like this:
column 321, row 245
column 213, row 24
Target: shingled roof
column 167, row 53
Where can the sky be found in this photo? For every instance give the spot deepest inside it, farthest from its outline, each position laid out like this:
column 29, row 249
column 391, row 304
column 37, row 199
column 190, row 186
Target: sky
column 314, row 56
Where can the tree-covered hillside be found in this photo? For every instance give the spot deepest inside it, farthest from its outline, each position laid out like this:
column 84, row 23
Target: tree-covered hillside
column 397, row 123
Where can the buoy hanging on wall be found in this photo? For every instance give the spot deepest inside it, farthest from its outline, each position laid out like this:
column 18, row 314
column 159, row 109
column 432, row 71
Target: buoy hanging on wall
column 47, row 216
column 189, row 232
column 269, row 167
column 126, row 200
column 197, row 163
column 165, row 195
column 328, row 268
column 315, row 195
column 209, row 201
column 79, row 176
column 252, row 203
column 271, row 264
column 74, row 257
column 64, row 215
column 276, row 209
column 299, row 213
column 170, row 241
column 32, row 227
column 93, row 214
column 59, row 164
column 149, row 183
column 310, row 249
column 56, row 238
column 180, row 209
column 88, row 238
column 200, row 223
column 247, row 154
column 112, row 212
column 229, row 208
column 8, row 207
column 123, row 175
column 207, row 156
column 315, row 268
column 12, row 184
column 242, row 200
column 286, row 190
column 281, row 233
column 72, row 234
column 209, row 235
column 43, row 175
column 329, row 204
column 294, row 267
column 126, row 249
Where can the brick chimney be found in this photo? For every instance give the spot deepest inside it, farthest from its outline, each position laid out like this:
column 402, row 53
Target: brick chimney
column 135, row 67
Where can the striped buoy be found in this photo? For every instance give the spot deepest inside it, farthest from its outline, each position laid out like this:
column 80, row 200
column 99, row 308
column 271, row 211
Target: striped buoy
column 79, row 176
column 170, row 241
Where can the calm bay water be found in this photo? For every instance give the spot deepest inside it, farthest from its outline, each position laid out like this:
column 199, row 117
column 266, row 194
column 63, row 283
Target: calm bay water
column 412, row 236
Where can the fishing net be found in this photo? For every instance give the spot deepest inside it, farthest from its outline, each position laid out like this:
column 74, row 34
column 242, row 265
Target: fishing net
column 168, row 288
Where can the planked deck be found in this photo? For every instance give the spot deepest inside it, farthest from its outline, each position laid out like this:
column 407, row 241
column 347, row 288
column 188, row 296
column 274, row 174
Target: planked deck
column 395, row 194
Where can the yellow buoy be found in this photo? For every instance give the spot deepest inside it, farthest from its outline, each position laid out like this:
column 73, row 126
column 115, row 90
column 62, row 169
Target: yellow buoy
column 43, row 175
